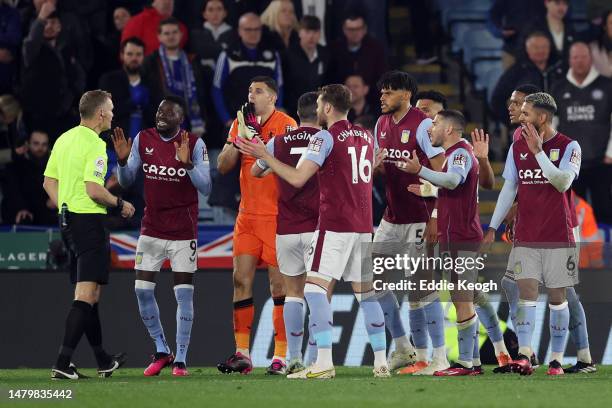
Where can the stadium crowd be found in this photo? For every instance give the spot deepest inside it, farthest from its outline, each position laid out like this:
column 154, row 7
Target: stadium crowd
column 206, row 52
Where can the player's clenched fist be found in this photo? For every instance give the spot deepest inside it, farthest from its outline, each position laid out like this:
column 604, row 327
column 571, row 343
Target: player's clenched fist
column 127, row 211
column 487, row 241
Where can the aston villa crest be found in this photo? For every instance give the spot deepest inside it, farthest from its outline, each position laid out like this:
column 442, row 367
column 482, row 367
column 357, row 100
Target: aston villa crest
column 405, row 136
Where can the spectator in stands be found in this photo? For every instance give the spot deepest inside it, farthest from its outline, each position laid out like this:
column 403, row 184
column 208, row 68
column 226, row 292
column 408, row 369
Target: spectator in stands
column 306, row 64
column 431, row 102
column 10, row 41
column 75, row 31
column 25, row 200
column 52, row 78
column 121, row 16
column 145, row 24
column 584, row 109
column 315, row 8
column 13, row 132
column 534, row 69
column 601, row 49
column 557, row 28
column 505, row 21
column 236, row 66
column 280, row 25
column 170, row 67
column 135, row 98
column 357, row 53
column 215, row 35
column 359, row 102
column 207, row 42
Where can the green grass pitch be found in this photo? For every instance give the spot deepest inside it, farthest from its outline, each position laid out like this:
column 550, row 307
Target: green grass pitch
column 352, row 387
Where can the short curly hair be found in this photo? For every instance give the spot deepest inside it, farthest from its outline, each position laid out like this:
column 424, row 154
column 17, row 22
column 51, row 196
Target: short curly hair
column 543, row 101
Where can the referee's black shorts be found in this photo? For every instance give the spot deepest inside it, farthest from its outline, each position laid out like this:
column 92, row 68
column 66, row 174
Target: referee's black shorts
column 87, row 241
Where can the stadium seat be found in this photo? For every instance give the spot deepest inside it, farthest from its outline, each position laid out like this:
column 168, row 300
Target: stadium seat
column 454, row 10
column 479, row 42
column 491, row 78
column 481, row 71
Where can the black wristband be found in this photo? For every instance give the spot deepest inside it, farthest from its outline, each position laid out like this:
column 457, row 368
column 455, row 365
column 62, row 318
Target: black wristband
column 119, row 203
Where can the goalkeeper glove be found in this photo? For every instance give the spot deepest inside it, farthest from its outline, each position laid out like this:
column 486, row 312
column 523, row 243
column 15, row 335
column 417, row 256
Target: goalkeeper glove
column 252, row 127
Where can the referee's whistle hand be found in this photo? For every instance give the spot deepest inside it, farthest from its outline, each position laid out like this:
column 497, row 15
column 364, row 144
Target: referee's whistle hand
column 128, row 210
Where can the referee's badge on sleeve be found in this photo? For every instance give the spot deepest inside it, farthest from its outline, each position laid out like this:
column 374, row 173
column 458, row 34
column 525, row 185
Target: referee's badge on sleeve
column 99, row 167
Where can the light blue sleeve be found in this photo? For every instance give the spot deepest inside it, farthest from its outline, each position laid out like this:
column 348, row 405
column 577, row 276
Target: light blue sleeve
column 424, row 141
column 320, row 147
column 510, row 173
column 127, row 174
column 375, row 136
column 571, row 158
column 459, row 162
column 270, row 148
column 504, row 203
column 200, row 173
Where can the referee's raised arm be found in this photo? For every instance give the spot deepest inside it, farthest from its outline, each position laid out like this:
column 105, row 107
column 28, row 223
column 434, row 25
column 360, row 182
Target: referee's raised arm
column 74, row 181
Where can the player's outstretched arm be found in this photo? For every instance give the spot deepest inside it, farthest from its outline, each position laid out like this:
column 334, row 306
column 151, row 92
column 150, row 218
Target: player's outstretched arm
column 260, row 168
column 480, row 142
column 448, row 180
column 297, row 176
column 128, row 157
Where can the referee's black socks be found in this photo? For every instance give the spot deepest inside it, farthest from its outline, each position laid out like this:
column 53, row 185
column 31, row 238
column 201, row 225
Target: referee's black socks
column 76, row 322
column 93, row 331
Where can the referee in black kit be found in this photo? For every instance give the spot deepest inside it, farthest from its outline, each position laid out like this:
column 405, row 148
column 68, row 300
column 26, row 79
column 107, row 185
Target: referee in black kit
column 74, row 181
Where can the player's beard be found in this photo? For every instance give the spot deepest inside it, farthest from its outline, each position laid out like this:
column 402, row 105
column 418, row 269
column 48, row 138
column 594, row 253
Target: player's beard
column 392, row 109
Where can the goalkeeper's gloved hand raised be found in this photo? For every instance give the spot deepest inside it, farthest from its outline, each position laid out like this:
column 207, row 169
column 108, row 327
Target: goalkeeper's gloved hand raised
column 252, row 127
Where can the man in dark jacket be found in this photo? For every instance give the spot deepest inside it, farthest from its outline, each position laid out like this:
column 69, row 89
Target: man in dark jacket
column 239, row 64
column 52, row 78
column 135, row 97
column 584, row 107
column 305, row 66
column 25, row 200
column 358, row 53
column 532, row 70
column 170, row 67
